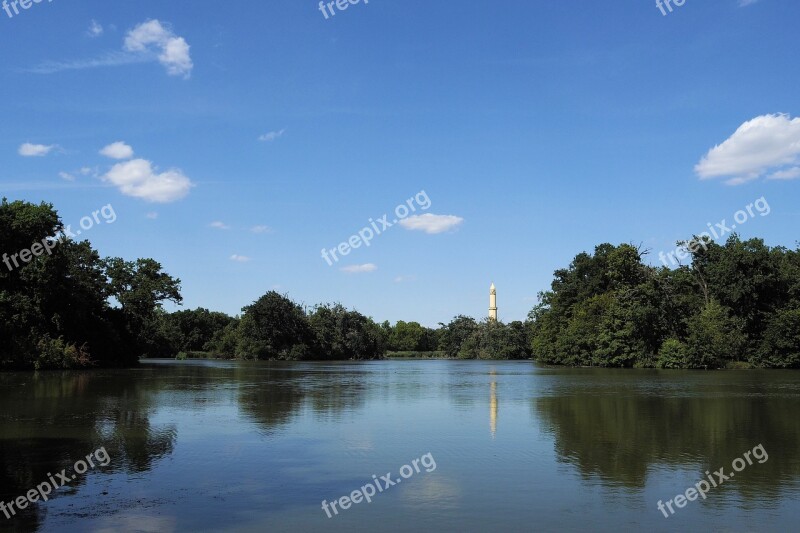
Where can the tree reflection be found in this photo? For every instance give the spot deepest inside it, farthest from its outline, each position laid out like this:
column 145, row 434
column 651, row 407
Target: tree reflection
column 49, row 421
column 621, row 433
column 277, row 393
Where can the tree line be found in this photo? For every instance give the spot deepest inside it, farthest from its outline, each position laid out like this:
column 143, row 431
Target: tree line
column 275, row 327
column 68, row 307
column 733, row 305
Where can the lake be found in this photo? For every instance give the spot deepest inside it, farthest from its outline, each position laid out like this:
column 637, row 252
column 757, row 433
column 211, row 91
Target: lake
column 468, row 446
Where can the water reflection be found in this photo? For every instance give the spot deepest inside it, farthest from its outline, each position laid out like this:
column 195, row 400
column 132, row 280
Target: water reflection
column 619, row 429
column 273, row 394
column 50, row 420
column 262, row 443
column 493, row 406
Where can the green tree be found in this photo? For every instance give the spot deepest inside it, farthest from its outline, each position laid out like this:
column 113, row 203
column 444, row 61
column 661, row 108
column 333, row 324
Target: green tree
column 224, row 342
column 410, row 336
column 673, row 354
column 494, row 340
column 271, row 327
column 781, row 345
column 715, row 338
column 140, row 288
column 193, row 330
column 55, row 309
column 454, row 334
column 343, row 334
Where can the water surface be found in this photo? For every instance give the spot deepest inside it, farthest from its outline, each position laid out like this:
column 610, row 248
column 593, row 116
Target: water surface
column 232, row 446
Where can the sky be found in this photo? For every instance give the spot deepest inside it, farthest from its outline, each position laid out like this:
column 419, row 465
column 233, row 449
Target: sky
column 235, row 141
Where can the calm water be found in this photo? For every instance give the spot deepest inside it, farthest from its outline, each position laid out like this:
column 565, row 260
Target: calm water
column 225, row 446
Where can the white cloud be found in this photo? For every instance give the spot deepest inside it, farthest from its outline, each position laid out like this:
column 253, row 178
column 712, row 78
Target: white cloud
column 360, row 269
column 109, row 59
column 272, row 135
column 66, row 176
column 35, row 150
column 404, row 279
column 261, row 229
column 430, row 223
column 139, row 179
column 173, row 51
column 148, row 41
column 219, row 225
column 240, row 258
column 152, row 215
column 788, row 174
column 117, row 150
column 86, row 171
column 741, row 180
column 768, row 142
column 95, row 29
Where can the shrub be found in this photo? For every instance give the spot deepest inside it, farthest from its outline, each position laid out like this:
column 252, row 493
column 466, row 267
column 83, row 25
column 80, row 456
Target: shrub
column 673, row 354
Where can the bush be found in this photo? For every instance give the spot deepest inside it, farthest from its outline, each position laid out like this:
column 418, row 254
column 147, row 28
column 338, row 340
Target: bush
column 437, row 354
column 781, row 346
column 715, row 338
column 673, row 354
column 55, row 353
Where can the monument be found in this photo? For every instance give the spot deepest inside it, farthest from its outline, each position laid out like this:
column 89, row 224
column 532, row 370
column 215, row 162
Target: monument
column 493, row 303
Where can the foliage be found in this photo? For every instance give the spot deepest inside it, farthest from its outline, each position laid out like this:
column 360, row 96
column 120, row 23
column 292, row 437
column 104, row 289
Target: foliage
column 611, row 309
column 343, row 334
column 494, row 340
column 715, row 338
column 410, row 337
column 273, row 327
column 454, row 334
column 673, row 354
column 60, row 306
column 435, row 354
column 781, row 346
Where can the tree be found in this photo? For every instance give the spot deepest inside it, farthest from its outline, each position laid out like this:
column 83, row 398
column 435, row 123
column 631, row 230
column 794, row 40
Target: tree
column 140, row 288
column 715, row 338
column 224, row 342
column 55, row 310
column 673, row 354
column 271, row 327
column 454, row 334
column 781, row 345
column 746, row 277
column 343, row 334
column 411, row 336
column 494, row 340
column 193, row 330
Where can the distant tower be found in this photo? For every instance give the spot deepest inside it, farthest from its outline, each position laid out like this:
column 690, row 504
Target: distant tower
column 492, row 303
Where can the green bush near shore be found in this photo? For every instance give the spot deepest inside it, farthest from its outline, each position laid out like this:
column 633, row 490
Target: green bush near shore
column 182, row 356
column 437, row 354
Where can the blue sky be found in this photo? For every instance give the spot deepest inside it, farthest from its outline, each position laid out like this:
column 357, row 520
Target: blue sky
column 251, row 135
